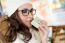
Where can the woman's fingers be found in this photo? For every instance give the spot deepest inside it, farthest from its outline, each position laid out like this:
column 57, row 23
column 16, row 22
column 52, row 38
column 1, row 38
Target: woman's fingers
column 43, row 30
column 43, row 27
column 43, row 22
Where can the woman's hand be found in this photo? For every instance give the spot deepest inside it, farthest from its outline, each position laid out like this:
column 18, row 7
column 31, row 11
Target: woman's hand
column 43, row 30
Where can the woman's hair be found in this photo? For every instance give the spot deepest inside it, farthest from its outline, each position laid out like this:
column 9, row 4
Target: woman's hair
column 17, row 27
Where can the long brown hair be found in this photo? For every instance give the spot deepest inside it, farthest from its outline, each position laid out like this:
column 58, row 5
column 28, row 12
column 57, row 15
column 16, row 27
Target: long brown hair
column 17, row 27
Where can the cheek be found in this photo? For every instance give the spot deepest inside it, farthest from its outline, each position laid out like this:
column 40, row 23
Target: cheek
column 22, row 18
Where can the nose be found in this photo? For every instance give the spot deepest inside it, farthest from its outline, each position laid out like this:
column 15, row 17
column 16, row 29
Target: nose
column 30, row 16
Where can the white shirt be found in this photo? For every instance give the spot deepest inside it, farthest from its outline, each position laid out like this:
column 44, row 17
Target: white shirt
column 35, row 38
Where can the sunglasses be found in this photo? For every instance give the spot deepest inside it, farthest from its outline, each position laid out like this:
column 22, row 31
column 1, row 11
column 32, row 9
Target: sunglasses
column 26, row 12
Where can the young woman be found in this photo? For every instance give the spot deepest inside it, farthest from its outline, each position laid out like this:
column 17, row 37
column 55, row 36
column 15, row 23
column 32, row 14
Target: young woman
column 18, row 27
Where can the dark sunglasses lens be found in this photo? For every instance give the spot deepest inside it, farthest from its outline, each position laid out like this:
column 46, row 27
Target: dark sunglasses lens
column 24, row 11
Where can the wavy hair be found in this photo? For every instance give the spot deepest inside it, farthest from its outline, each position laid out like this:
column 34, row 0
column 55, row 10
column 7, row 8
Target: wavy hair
column 17, row 27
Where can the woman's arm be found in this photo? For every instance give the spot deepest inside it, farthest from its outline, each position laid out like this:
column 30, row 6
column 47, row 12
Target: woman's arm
column 43, row 30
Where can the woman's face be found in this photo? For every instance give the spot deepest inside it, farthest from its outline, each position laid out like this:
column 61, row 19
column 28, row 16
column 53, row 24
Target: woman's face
column 25, row 14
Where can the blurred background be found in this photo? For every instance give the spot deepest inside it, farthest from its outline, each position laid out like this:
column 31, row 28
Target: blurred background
column 0, row 8
column 53, row 11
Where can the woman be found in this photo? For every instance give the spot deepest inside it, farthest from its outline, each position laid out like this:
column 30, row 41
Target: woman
column 19, row 28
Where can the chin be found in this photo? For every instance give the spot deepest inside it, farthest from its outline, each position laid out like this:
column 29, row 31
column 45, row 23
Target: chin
column 29, row 26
